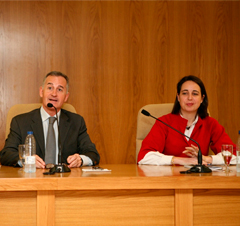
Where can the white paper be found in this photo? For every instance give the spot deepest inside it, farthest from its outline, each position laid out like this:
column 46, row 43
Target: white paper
column 213, row 168
column 96, row 170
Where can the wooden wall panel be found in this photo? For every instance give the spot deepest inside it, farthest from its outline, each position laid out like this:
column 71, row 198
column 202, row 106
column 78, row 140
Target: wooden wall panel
column 120, row 56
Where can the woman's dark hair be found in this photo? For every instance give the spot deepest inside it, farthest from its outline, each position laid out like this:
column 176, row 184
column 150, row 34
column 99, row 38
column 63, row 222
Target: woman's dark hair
column 202, row 110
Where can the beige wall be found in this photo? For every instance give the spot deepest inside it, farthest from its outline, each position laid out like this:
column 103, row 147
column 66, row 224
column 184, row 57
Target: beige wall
column 121, row 55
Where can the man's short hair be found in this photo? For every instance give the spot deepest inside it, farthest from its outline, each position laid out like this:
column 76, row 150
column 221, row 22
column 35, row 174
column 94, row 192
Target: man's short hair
column 57, row 73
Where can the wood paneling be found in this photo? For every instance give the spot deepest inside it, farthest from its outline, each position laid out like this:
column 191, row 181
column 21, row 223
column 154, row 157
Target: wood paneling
column 183, row 198
column 130, row 194
column 18, row 207
column 120, row 55
column 204, row 201
column 114, row 207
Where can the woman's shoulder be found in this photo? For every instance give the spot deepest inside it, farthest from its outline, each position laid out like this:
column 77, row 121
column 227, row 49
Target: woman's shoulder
column 210, row 120
column 171, row 117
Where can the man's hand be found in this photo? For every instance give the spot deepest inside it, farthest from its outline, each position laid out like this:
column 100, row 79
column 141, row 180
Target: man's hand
column 74, row 161
column 40, row 163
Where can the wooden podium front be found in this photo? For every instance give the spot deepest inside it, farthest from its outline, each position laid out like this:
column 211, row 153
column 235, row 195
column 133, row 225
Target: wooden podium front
column 129, row 195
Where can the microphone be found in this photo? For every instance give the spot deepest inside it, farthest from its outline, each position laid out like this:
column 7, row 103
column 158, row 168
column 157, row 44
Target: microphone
column 199, row 168
column 60, row 167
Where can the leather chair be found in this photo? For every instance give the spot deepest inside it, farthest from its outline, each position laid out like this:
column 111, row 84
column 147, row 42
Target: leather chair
column 24, row 108
column 144, row 123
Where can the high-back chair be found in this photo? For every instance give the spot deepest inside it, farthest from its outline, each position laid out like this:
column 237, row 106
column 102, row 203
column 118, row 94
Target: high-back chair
column 144, row 123
column 24, row 108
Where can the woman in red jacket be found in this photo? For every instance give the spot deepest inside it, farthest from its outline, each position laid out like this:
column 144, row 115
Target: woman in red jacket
column 164, row 146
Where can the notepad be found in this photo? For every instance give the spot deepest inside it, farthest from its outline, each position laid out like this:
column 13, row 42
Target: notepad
column 96, row 169
column 213, row 168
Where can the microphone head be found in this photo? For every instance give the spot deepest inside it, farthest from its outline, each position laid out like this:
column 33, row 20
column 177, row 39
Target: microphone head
column 145, row 112
column 50, row 105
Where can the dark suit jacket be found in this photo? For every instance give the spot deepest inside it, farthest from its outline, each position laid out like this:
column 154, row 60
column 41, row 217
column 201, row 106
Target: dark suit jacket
column 73, row 131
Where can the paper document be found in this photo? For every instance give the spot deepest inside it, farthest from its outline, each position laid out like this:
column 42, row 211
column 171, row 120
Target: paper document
column 96, row 169
column 213, row 168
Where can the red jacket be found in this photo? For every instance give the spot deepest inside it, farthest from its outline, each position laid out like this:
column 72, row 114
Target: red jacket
column 207, row 132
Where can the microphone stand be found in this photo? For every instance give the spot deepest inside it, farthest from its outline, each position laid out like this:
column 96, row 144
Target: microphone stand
column 199, row 168
column 60, row 167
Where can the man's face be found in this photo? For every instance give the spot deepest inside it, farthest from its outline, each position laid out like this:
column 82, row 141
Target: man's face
column 54, row 92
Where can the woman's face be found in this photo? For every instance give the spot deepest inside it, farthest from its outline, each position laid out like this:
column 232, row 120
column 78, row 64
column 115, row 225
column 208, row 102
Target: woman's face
column 190, row 97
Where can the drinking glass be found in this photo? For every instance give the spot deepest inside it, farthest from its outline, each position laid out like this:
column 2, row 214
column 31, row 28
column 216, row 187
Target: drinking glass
column 227, row 151
column 238, row 161
column 22, row 152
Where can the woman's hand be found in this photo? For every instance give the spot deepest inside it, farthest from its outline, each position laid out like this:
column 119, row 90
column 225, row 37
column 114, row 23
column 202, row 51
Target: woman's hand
column 185, row 161
column 193, row 153
column 188, row 161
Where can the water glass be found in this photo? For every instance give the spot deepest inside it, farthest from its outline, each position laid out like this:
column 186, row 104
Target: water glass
column 22, row 153
column 238, row 161
column 227, row 151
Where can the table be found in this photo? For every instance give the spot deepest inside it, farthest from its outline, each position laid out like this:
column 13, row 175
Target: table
column 128, row 195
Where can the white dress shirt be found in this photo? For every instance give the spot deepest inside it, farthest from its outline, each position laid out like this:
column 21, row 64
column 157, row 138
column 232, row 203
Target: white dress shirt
column 45, row 116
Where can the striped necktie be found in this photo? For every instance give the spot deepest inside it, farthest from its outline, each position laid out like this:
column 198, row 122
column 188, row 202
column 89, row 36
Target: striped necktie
column 50, row 152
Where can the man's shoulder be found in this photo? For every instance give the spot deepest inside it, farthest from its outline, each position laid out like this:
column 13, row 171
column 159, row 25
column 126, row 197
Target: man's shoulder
column 71, row 115
column 28, row 114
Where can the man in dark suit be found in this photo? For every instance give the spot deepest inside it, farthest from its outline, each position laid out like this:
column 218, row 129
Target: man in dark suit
column 77, row 148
